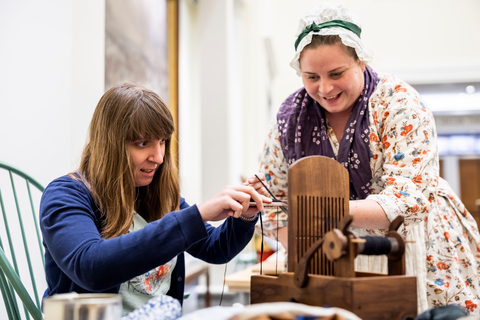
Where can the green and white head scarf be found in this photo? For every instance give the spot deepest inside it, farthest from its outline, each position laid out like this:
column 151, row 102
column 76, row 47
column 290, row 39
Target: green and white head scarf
column 329, row 19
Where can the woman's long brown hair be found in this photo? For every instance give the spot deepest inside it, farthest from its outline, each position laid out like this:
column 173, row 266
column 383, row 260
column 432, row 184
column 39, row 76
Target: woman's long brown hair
column 127, row 113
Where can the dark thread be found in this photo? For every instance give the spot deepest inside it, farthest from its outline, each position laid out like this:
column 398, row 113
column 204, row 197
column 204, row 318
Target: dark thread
column 376, row 246
column 276, row 253
column 261, row 244
column 225, row 272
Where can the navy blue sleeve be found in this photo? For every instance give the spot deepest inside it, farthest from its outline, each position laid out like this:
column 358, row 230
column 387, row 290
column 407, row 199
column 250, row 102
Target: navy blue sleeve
column 70, row 228
column 224, row 242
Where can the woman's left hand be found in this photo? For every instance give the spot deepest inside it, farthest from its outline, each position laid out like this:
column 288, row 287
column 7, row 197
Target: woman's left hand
column 257, row 185
column 233, row 201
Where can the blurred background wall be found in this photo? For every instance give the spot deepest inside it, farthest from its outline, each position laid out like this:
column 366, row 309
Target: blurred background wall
column 51, row 77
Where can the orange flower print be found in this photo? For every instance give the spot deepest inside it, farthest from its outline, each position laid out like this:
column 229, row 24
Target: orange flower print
column 441, row 265
column 375, row 156
column 470, row 305
column 415, row 208
column 395, row 163
column 386, row 144
column 390, row 180
column 162, row 271
column 147, row 284
column 417, row 179
column 398, row 88
column 398, row 195
column 373, row 137
column 447, row 235
column 429, row 258
column 416, row 161
column 446, row 284
column 406, row 130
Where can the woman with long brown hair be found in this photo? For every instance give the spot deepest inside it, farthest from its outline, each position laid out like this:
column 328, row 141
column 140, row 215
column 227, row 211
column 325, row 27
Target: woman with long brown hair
column 118, row 224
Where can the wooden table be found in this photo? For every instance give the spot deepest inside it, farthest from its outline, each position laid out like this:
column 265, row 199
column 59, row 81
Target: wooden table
column 240, row 281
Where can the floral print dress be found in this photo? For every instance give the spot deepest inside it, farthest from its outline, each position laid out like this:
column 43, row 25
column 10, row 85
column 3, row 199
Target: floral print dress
column 442, row 238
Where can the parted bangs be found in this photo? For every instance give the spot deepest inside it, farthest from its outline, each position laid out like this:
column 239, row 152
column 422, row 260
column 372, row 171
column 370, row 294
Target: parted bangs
column 150, row 119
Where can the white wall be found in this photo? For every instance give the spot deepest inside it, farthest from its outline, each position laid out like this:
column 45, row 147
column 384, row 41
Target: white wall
column 51, row 76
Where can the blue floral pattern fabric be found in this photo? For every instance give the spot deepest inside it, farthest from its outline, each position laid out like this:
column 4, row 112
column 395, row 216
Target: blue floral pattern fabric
column 443, row 243
column 158, row 308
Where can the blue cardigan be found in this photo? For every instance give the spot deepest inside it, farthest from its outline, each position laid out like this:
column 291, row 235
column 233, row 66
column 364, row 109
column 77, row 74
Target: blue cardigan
column 78, row 259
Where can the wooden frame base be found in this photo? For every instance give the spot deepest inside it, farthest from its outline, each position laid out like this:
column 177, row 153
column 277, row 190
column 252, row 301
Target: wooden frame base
column 369, row 297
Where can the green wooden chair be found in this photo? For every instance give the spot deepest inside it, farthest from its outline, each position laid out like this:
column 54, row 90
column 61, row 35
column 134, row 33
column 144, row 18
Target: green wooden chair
column 22, row 279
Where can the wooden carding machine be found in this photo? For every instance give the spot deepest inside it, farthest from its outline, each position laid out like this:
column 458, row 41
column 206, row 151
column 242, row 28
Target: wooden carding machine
column 322, row 250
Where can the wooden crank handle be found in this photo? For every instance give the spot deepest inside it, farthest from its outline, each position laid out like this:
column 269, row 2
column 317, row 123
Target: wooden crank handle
column 301, row 273
column 396, row 223
column 345, row 223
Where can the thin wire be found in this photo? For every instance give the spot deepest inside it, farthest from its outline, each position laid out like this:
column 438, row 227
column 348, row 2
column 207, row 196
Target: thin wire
column 266, row 188
column 261, row 244
column 223, row 287
column 276, row 260
column 225, row 271
column 284, row 209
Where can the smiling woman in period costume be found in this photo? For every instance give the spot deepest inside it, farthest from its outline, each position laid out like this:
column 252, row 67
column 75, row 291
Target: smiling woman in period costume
column 379, row 128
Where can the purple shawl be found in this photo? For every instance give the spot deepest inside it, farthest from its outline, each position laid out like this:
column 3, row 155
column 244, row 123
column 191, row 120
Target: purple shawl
column 303, row 132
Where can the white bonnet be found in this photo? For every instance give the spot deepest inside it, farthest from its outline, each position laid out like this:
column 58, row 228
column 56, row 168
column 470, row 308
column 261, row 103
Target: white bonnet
column 328, row 12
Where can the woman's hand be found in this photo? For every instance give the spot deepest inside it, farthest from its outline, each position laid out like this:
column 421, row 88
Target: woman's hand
column 232, row 201
column 257, row 185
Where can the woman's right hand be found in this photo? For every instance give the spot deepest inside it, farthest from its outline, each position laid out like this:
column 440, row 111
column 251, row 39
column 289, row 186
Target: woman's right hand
column 232, row 201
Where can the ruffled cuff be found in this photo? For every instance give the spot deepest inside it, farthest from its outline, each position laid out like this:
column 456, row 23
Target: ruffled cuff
column 388, row 205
